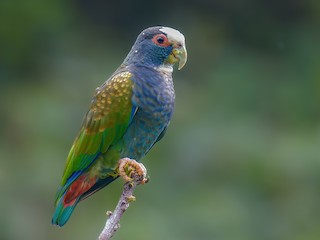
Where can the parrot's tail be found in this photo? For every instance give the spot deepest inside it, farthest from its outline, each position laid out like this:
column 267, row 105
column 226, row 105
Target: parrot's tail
column 63, row 212
column 79, row 190
column 68, row 198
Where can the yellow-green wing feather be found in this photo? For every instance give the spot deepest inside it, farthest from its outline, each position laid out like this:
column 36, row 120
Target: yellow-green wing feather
column 103, row 125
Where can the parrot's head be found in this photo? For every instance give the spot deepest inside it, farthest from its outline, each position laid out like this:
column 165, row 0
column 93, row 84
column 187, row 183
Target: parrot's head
column 158, row 46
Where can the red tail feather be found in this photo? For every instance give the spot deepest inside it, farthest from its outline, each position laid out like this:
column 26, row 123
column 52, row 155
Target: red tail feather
column 77, row 188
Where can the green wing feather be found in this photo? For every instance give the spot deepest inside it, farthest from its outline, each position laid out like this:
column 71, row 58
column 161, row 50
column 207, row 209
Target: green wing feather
column 103, row 125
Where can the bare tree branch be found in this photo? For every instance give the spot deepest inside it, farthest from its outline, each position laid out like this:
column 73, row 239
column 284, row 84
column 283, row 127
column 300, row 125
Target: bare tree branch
column 133, row 173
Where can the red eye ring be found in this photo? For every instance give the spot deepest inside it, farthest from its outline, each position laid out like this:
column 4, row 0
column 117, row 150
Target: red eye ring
column 161, row 40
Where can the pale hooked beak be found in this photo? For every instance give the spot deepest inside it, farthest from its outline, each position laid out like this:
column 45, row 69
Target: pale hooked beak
column 180, row 53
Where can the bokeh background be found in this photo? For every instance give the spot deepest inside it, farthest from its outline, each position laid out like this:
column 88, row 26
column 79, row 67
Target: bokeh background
column 241, row 159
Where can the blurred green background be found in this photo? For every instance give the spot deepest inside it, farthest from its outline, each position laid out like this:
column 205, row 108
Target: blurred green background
column 241, row 159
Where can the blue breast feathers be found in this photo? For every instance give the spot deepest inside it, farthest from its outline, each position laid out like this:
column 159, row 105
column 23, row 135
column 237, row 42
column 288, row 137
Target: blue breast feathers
column 153, row 95
column 153, row 91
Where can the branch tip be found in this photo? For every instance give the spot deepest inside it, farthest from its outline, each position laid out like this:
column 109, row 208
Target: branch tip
column 133, row 173
column 109, row 213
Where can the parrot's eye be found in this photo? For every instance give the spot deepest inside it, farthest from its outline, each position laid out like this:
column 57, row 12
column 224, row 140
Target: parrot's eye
column 161, row 40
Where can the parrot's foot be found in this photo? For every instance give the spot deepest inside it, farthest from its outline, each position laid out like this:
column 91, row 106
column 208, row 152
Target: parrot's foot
column 130, row 170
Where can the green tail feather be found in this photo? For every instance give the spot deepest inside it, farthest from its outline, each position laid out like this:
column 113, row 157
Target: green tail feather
column 62, row 213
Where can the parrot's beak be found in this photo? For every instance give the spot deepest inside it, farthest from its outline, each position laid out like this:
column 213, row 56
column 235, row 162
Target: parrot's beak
column 180, row 53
